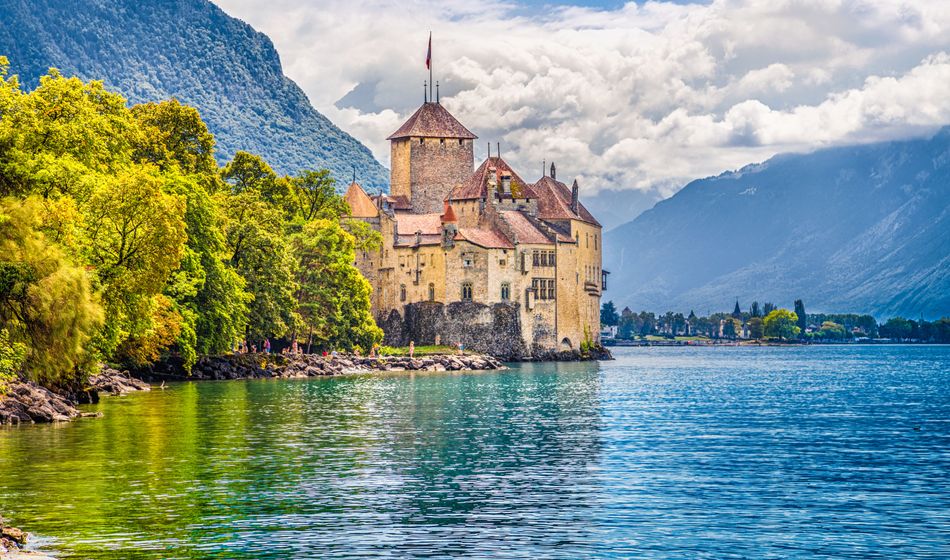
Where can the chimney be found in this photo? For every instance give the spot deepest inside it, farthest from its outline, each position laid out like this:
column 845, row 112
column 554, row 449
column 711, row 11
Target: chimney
column 418, row 238
column 553, row 171
column 574, row 190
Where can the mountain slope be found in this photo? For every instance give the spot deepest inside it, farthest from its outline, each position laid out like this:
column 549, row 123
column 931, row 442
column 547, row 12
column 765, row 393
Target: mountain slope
column 862, row 228
column 189, row 49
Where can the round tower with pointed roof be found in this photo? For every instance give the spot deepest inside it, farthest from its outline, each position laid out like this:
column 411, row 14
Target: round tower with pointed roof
column 431, row 153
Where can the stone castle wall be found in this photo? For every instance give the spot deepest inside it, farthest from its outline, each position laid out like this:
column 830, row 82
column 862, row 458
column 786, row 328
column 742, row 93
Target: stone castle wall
column 428, row 168
column 491, row 329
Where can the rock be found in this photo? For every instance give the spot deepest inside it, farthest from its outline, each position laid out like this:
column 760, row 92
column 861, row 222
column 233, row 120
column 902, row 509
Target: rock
column 14, row 534
column 27, row 403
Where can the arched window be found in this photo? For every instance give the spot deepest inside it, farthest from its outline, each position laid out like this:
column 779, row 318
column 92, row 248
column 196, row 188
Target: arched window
column 505, row 291
column 466, row 291
column 402, row 292
column 431, row 292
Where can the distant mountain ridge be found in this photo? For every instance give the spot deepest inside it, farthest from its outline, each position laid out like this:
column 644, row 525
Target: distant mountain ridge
column 151, row 50
column 851, row 229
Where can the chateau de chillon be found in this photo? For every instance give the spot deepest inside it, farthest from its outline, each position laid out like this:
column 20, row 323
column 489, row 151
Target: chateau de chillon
column 479, row 256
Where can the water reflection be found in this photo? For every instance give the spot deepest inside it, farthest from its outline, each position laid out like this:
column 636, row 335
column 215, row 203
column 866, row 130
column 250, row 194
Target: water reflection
column 433, row 464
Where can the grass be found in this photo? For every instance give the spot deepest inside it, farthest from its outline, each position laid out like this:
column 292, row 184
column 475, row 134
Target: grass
column 420, row 350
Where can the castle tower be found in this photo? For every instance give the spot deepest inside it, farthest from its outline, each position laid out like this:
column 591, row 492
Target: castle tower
column 431, row 153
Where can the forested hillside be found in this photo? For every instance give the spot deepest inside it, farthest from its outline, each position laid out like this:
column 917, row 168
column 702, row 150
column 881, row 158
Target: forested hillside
column 863, row 229
column 150, row 50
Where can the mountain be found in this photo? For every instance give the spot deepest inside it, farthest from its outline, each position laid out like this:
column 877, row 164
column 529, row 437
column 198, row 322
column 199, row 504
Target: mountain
column 862, row 228
column 151, row 50
column 615, row 207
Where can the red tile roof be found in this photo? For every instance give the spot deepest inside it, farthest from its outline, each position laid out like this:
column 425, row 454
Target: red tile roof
column 448, row 215
column 523, row 229
column 483, row 237
column 554, row 202
column 477, row 185
column 428, row 224
column 432, row 121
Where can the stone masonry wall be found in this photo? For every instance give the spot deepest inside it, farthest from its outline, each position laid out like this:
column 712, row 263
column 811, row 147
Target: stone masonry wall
column 490, row 329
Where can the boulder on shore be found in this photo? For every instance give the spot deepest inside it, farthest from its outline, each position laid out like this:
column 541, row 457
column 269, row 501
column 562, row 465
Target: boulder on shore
column 27, row 403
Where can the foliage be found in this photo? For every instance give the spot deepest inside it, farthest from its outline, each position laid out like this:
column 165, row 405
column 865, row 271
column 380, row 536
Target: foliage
column 333, row 297
column 802, row 318
column 780, row 323
column 832, row 330
column 123, row 241
column 608, row 315
column 46, row 303
column 756, row 328
column 12, row 357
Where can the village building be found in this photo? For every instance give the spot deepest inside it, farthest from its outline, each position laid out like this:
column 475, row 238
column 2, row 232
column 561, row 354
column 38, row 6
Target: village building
column 479, row 257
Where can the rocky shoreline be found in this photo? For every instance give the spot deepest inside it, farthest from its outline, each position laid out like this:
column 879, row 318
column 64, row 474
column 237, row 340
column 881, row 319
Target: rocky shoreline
column 280, row 366
column 28, row 403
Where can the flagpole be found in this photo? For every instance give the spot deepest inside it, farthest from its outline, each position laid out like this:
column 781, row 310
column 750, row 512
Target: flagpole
column 430, row 66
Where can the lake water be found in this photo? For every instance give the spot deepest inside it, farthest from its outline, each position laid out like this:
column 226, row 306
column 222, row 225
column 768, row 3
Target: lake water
column 818, row 452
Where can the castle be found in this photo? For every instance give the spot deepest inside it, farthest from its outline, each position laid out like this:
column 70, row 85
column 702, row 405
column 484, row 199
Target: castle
column 479, row 256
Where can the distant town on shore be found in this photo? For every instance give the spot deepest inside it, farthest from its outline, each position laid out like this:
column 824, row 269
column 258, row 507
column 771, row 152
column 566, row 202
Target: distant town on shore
column 765, row 323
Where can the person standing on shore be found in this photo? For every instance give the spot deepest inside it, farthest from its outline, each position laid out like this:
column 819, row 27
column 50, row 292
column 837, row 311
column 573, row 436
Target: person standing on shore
column 412, row 349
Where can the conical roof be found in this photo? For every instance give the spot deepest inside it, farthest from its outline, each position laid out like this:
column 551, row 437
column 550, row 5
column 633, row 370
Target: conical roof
column 432, row 120
column 361, row 205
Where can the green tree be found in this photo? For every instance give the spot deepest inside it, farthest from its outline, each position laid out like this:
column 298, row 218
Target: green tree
column 897, row 327
column 781, row 324
column 135, row 239
column 12, row 357
column 333, row 297
column 249, row 172
column 47, row 304
column 172, row 134
column 755, row 311
column 731, row 327
column 608, row 315
column 259, row 251
column 316, row 196
column 756, row 328
column 832, row 330
column 802, row 318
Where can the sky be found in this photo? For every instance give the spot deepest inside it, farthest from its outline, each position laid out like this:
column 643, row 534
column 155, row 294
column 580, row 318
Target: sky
column 624, row 96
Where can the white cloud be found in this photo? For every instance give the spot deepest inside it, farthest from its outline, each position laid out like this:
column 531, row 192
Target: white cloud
column 637, row 97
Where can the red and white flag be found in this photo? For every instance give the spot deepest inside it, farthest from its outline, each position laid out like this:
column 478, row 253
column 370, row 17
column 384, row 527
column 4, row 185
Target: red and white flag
column 429, row 53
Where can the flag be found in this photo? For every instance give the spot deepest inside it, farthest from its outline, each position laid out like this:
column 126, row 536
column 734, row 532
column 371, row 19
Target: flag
column 429, row 54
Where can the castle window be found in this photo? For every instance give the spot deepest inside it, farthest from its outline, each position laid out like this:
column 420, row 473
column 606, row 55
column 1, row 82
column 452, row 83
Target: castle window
column 466, row 291
column 468, row 260
column 502, row 263
column 442, row 141
column 587, row 240
column 505, row 291
column 460, row 141
column 402, row 292
column 422, row 140
column 536, row 258
column 431, row 292
column 552, row 258
column 544, row 288
column 595, row 241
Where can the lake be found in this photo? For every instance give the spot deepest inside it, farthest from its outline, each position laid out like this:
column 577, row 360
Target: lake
column 723, row 452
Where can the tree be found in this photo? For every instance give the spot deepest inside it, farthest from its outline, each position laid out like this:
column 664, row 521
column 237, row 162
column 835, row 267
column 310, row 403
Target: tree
column 333, row 297
column 316, row 196
column 47, row 304
column 756, row 328
column 781, row 324
column 173, row 134
column 802, row 319
column 135, row 238
column 897, row 328
column 12, row 357
column 755, row 311
column 259, row 251
column 249, row 172
column 832, row 330
column 608, row 315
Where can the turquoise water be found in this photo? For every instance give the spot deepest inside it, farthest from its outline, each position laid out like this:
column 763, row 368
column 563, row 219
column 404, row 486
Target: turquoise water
column 821, row 452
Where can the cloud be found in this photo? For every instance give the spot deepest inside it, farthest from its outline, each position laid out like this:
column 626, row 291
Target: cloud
column 643, row 96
